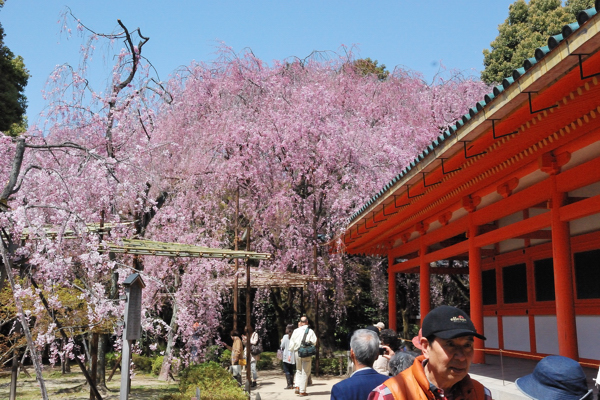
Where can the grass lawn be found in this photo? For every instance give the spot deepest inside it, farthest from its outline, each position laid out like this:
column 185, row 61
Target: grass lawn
column 72, row 386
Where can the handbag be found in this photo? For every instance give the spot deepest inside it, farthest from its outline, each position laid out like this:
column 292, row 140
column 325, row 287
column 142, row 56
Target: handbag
column 306, row 349
column 256, row 349
column 280, row 354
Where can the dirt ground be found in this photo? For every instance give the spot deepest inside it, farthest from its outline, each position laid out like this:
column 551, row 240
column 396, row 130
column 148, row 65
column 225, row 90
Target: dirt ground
column 72, row 386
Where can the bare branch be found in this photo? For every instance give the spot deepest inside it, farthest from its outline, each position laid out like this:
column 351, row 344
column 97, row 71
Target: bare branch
column 64, row 145
column 134, row 54
column 18, row 187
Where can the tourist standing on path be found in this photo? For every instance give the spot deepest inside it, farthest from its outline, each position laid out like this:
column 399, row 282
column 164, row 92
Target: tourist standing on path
column 236, row 355
column 364, row 349
column 255, row 350
column 289, row 361
column 303, row 364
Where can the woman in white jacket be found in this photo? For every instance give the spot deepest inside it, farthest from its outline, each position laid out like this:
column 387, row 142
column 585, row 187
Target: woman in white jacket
column 289, row 360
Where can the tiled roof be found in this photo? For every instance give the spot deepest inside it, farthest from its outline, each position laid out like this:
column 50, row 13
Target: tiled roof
column 541, row 52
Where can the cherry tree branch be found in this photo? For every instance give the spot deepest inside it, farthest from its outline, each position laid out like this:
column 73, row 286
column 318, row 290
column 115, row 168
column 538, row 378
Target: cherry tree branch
column 18, row 187
column 14, row 173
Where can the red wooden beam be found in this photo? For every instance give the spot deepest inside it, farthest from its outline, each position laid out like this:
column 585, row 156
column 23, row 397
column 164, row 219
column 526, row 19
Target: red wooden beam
column 580, row 209
column 513, row 230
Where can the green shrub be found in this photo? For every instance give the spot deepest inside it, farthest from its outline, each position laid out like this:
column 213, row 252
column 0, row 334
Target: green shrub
column 331, row 366
column 267, row 360
column 157, row 364
column 142, row 363
column 111, row 358
column 214, row 382
column 225, row 358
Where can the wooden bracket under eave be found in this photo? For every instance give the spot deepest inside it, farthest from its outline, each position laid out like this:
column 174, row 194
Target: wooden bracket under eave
column 551, row 163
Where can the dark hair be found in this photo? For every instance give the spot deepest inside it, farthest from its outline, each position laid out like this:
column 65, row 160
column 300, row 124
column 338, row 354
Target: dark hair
column 389, row 338
column 234, row 333
column 289, row 329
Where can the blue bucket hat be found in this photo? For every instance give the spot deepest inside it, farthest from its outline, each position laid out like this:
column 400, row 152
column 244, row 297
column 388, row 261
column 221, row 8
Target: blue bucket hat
column 555, row 378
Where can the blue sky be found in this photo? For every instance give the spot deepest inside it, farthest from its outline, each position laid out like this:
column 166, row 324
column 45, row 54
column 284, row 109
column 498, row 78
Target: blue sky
column 415, row 34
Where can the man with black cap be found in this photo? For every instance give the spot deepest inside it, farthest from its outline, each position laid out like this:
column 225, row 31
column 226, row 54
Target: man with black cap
column 442, row 372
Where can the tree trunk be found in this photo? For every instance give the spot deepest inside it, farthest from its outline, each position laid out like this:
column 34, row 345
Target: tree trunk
column 64, row 361
column 94, row 362
column 282, row 301
column 101, row 375
column 14, row 376
column 86, row 349
column 404, row 313
column 166, row 365
column 34, row 354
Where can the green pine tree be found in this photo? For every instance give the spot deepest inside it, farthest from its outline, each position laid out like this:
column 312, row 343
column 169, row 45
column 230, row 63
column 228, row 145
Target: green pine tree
column 13, row 79
column 527, row 27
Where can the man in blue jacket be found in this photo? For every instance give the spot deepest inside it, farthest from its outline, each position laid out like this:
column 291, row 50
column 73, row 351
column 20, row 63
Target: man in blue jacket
column 364, row 350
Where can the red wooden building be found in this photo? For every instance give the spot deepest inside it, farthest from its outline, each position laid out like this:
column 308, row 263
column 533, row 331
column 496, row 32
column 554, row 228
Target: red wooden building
column 514, row 188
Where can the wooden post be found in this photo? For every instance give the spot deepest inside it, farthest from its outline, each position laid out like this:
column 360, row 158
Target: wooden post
column 476, row 290
column 125, row 361
column 132, row 327
column 237, row 264
column 315, row 267
column 551, row 164
column 424, row 274
column 392, row 306
column 563, row 278
column 475, row 278
column 248, row 311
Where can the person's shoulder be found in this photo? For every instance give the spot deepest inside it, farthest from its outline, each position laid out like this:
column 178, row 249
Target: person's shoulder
column 378, row 377
column 341, row 386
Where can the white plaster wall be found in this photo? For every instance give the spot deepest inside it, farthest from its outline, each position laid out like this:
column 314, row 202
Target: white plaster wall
column 490, row 331
column 535, row 212
column 530, row 180
column 515, row 331
column 510, row 219
column 588, row 336
column 592, row 222
column 583, row 155
column 546, row 334
column 488, row 199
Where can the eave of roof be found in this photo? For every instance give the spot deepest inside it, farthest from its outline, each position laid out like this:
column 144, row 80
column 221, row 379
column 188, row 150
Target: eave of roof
column 465, row 127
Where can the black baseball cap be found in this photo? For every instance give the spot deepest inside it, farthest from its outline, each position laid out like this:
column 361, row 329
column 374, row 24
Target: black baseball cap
column 449, row 322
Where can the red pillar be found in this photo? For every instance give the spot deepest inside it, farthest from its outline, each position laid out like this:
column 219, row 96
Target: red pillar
column 475, row 279
column 563, row 278
column 392, row 306
column 424, row 280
